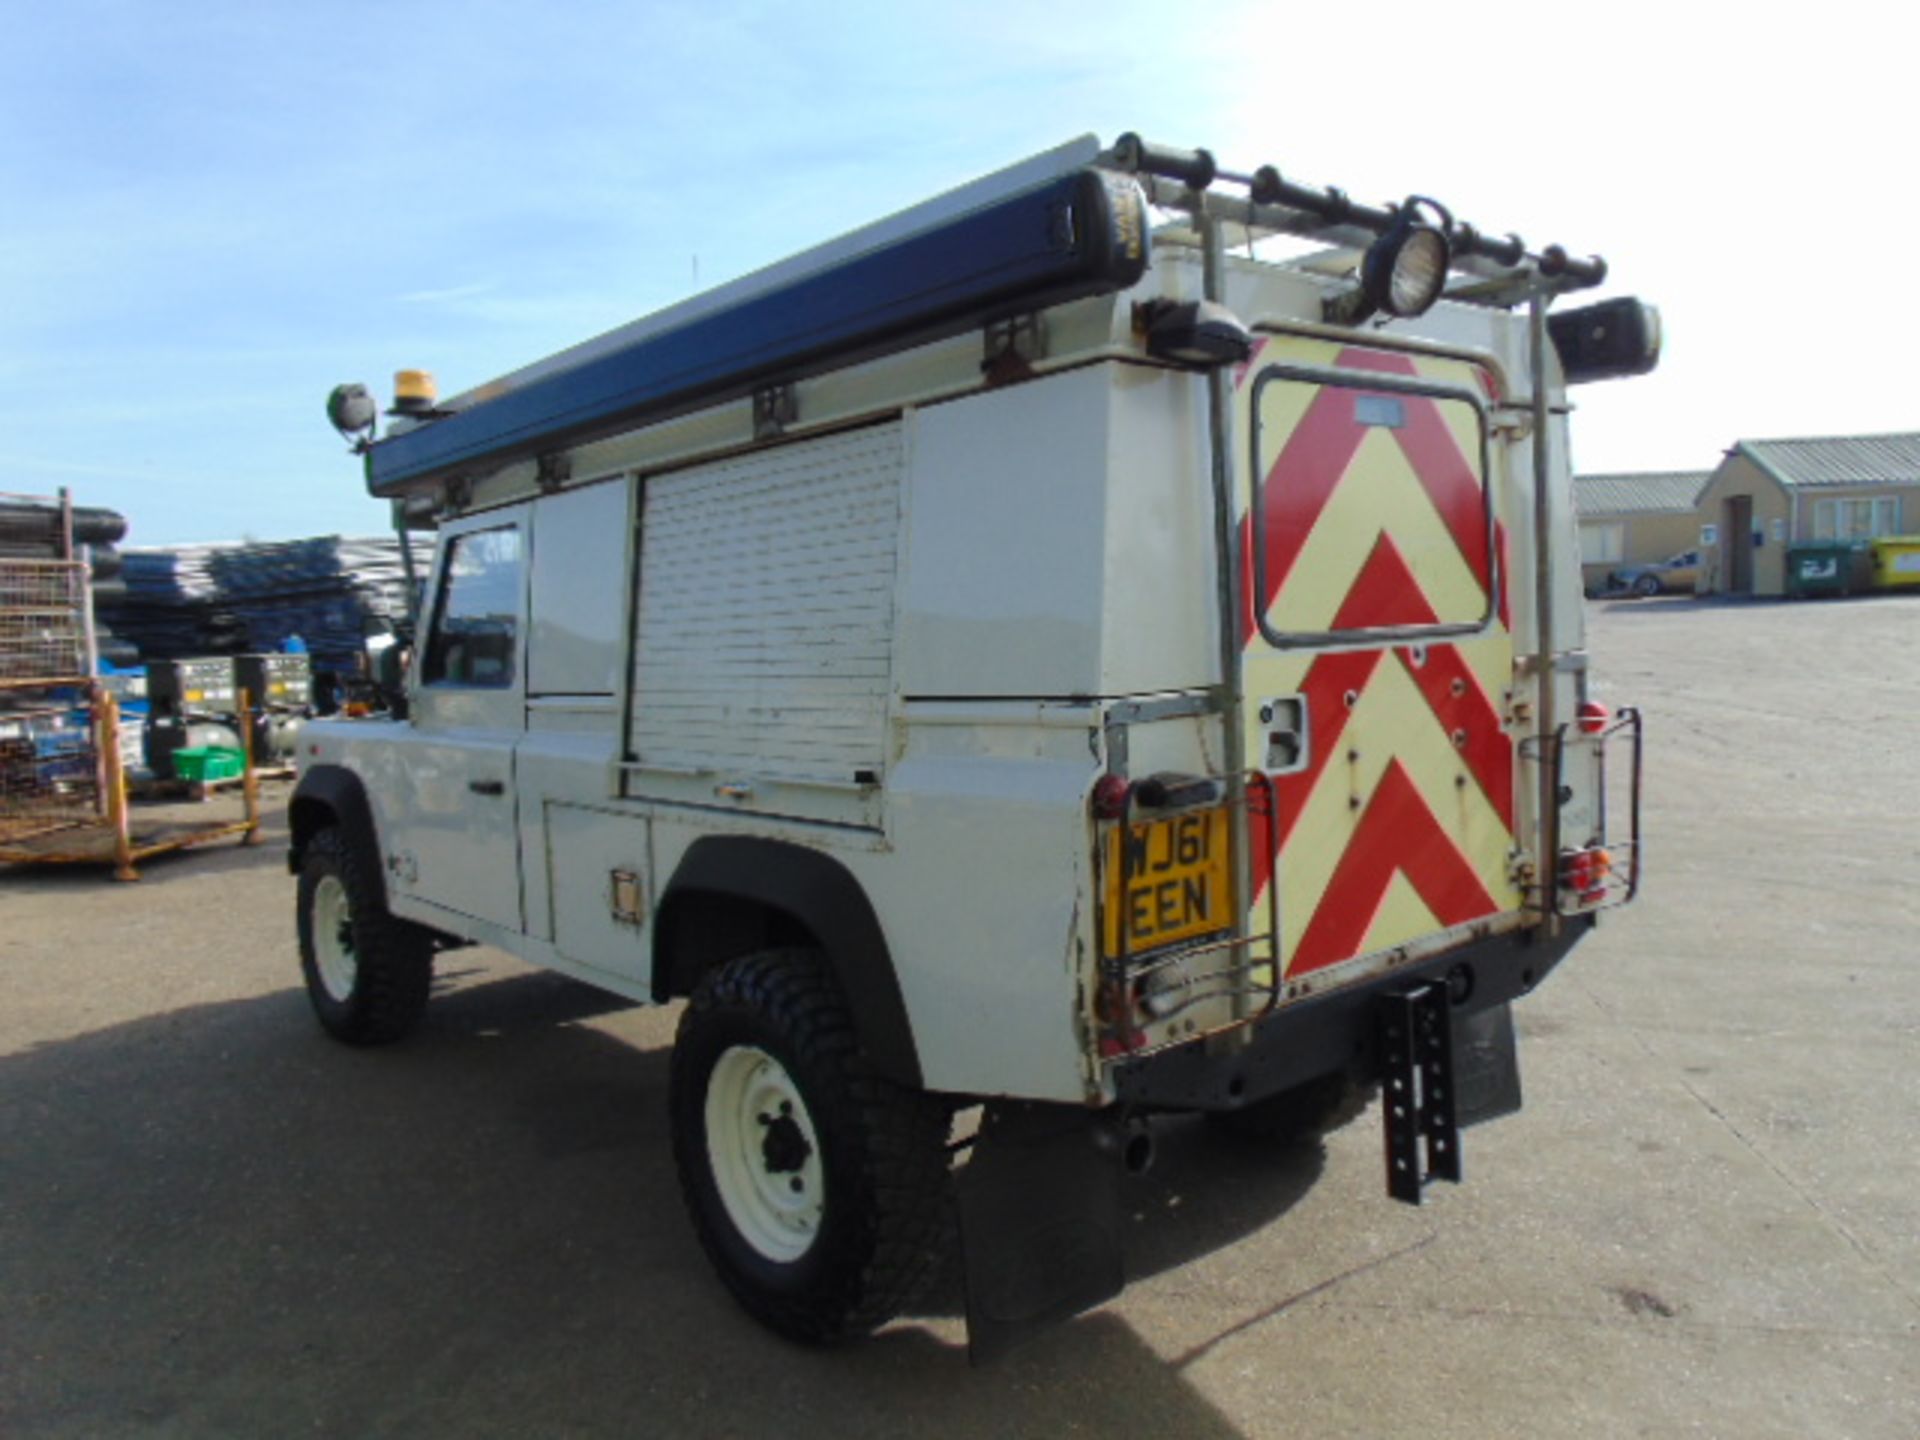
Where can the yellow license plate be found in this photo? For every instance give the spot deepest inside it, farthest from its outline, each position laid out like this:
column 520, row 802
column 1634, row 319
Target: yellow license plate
column 1167, row 881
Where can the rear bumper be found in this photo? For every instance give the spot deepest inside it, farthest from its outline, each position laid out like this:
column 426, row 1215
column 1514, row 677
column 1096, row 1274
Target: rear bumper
column 1336, row 1031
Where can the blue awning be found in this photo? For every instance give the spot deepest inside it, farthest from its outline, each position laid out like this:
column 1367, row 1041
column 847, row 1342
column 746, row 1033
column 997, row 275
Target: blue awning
column 1081, row 233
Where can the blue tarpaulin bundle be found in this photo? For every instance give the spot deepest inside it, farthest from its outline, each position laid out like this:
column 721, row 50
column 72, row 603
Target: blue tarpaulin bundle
column 253, row 596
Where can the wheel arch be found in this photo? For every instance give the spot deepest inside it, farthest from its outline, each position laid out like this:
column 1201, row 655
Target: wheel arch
column 732, row 895
column 332, row 795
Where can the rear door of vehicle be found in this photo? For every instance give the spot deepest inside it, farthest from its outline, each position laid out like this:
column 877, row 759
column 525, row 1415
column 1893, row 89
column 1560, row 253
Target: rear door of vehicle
column 1376, row 656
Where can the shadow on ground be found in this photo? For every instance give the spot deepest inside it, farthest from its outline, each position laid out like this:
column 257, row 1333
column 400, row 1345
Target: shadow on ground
column 215, row 1221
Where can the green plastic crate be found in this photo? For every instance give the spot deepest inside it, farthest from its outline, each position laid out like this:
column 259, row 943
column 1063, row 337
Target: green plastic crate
column 208, row 762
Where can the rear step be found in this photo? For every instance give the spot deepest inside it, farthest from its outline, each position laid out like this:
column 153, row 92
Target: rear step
column 1416, row 1071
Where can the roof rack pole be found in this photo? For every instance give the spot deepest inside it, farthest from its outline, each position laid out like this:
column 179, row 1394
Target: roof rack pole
column 1548, row 796
column 1227, row 601
column 1359, row 225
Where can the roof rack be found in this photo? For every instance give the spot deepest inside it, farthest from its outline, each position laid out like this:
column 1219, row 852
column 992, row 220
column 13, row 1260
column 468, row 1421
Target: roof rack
column 1504, row 271
column 1064, row 225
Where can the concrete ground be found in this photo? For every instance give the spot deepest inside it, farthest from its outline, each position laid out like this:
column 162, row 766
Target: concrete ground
column 214, row 1221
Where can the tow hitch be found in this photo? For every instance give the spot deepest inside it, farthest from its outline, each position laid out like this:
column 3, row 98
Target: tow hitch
column 1416, row 1073
column 1440, row 1072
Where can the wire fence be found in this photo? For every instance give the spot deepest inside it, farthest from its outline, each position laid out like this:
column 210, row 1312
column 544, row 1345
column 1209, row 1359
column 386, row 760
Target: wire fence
column 43, row 629
column 50, row 771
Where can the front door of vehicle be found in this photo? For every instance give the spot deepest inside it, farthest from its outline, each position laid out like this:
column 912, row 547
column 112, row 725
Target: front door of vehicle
column 457, row 843
column 1376, row 651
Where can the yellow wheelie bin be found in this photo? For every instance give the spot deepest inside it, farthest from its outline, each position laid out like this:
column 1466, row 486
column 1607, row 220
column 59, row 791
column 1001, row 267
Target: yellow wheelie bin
column 1896, row 562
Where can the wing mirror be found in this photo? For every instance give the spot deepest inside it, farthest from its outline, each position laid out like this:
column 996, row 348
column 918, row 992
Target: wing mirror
column 387, row 666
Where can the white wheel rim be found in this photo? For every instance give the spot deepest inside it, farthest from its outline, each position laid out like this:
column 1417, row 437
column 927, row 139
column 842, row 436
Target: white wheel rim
column 765, row 1153
column 333, row 953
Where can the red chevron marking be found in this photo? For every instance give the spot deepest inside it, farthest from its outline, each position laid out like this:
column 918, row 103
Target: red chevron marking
column 1397, row 835
column 1314, row 460
column 1445, row 474
column 1296, row 489
column 1383, row 583
column 1462, row 707
column 1325, row 688
column 1329, row 680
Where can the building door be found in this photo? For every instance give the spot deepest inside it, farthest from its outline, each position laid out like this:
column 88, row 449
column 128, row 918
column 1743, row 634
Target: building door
column 1736, row 540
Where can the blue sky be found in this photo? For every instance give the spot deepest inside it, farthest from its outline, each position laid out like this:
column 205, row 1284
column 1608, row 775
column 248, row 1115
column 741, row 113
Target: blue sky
column 215, row 212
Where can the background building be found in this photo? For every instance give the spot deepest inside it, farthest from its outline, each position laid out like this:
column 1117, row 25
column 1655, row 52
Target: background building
column 1768, row 494
column 1635, row 519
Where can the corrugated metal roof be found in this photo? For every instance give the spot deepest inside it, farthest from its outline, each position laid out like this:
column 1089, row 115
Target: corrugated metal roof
column 1660, row 492
column 1840, row 460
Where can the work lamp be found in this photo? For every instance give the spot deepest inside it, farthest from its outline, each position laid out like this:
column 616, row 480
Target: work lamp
column 1403, row 271
column 1405, row 268
column 352, row 411
column 1196, row 332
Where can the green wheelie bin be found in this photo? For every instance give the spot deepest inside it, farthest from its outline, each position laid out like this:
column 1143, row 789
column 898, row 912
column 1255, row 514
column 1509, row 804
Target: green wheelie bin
column 1826, row 567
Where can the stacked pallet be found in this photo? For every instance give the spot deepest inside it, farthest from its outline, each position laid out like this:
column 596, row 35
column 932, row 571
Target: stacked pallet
column 252, row 596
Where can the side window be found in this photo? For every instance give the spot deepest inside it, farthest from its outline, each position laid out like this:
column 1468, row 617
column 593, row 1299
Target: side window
column 476, row 620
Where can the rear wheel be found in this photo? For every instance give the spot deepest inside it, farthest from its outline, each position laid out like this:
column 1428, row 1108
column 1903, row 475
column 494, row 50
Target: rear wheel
column 817, row 1190
column 367, row 972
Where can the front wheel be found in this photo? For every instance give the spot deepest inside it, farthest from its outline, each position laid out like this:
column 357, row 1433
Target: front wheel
column 817, row 1190
column 367, row 971
column 1647, row 586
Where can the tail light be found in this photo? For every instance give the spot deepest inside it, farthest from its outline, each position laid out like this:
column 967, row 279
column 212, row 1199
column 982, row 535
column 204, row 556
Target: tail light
column 1109, row 800
column 1586, row 872
column 1593, row 717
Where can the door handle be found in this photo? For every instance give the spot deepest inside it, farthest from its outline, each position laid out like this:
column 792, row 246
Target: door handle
column 487, row 787
column 1286, row 720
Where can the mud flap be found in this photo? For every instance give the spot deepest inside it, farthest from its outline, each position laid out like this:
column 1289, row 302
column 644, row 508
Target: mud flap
column 1039, row 1222
column 1486, row 1066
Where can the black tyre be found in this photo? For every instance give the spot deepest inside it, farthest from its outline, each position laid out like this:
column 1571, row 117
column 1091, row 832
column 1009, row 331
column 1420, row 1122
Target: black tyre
column 367, row 971
column 818, row 1191
column 1310, row 1109
column 1647, row 586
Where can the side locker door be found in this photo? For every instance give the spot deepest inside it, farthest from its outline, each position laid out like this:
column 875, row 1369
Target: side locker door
column 1377, row 655
column 461, row 846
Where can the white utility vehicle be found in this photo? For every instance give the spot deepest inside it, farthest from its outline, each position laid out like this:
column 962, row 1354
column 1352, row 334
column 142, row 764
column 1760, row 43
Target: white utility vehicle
column 1045, row 652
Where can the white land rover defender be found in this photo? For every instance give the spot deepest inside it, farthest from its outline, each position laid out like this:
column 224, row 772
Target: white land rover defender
column 1045, row 652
